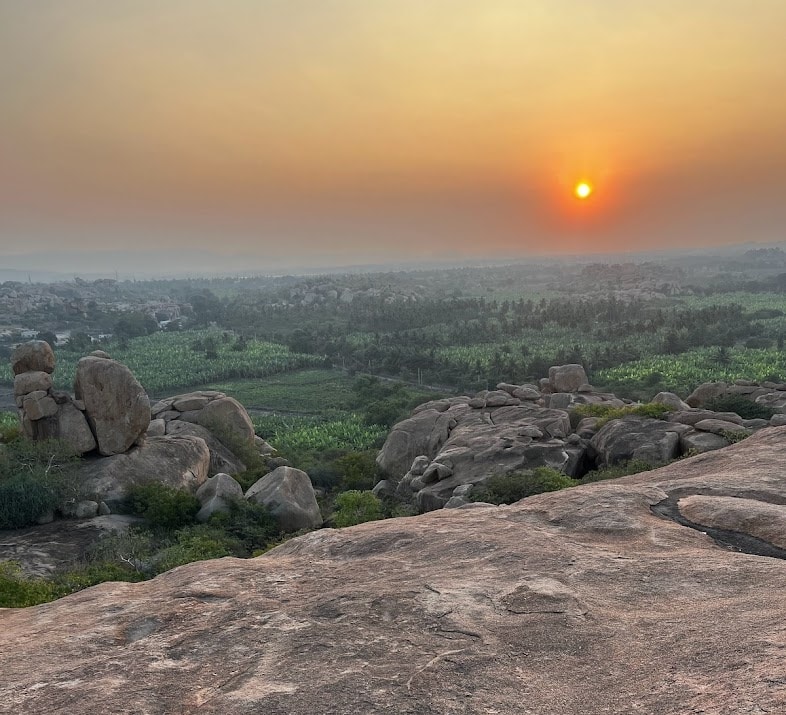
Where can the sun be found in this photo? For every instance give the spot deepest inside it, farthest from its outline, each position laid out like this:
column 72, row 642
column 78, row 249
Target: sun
column 583, row 190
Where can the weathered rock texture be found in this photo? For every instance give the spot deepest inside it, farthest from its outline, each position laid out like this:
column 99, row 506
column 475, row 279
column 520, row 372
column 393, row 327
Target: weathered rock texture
column 578, row 602
column 116, row 405
column 289, row 496
column 181, row 462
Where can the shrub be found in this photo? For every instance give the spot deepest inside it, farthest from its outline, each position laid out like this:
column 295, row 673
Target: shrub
column 359, row 469
column 9, row 427
column 35, row 477
column 509, row 488
column 745, row 408
column 19, row 591
column 162, row 506
column 633, row 466
column 250, row 525
column 195, row 543
column 356, row 507
column 606, row 413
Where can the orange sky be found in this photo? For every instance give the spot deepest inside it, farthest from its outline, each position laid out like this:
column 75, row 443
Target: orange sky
column 358, row 130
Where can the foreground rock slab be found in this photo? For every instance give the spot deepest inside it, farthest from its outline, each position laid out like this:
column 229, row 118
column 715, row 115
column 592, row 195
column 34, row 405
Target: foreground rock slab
column 583, row 601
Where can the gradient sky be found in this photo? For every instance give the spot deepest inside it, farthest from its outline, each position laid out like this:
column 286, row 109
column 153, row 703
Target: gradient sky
column 342, row 131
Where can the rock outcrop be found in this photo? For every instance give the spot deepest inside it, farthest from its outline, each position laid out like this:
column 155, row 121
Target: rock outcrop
column 595, row 599
column 447, row 445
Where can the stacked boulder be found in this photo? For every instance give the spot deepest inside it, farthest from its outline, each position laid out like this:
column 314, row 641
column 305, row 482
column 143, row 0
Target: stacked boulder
column 221, row 421
column 447, row 447
column 767, row 394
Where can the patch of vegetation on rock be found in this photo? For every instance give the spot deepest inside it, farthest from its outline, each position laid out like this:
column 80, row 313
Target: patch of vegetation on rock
column 510, row 488
column 606, row 413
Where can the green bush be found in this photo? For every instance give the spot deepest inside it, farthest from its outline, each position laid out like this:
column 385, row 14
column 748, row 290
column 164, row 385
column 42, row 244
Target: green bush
column 633, row 466
column 745, row 408
column 162, row 506
column 9, row 427
column 509, row 488
column 359, row 470
column 35, row 477
column 19, row 591
column 195, row 543
column 356, row 507
column 606, row 413
column 250, row 525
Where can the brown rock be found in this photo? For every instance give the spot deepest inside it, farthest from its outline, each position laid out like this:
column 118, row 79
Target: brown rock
column 182, row 462
column 28, row 382
column 116, row 405
column 228, row 420
column 289, row 496
column 72, row 427
column 38, row 405
column 545, row 606
column 33, row 356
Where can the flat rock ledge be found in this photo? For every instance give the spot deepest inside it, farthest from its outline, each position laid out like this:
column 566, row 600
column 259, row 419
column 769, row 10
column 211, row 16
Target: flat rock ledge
column 582, row 601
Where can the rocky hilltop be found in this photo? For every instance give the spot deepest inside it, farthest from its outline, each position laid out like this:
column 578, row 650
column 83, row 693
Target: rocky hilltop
column 655, row 593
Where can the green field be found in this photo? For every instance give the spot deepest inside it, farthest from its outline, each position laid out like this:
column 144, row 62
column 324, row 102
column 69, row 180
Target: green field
column 164, row 362
column 315, row 391
column 296, row 434
column 683, row 373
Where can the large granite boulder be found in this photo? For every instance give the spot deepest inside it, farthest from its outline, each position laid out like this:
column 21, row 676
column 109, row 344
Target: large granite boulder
column 222, row 459
column 422, row 434
column 640, row 438
column 228, row 420
column 289, row 496
column 116, row 405
column 72, row 428
column 181, row 462
column 706, row 392
column 567, row 378
column 33, row 356
column 216, row 495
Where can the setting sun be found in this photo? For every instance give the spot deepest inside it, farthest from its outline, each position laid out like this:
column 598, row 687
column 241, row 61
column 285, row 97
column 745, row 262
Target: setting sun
column 583, row 190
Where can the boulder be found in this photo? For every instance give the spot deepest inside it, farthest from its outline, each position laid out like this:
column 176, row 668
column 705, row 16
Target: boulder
column 100, row 354
column 156, row 428
column 706, row 392
column 670, row 400
column 177, row 461
column 33, row 356
column 216, row 494
column 721, row 427
column 567, row 378
column 693, row 416
column 222, row 459
column 700, row 442
column 34, row 381
column 72, row 428
column 228, row 420
column 654, row 441
column 289, row 496
column 185, row 403
column 422, row 434
column 38, row 405
column 116, row 405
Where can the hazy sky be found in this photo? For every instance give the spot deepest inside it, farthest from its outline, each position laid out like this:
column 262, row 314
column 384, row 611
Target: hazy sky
column 355, row 130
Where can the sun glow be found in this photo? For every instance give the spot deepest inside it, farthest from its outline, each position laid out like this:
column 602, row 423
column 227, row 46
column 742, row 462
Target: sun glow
column 583, row 190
